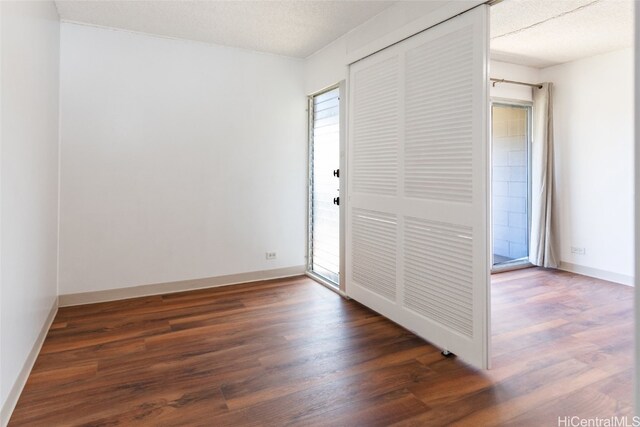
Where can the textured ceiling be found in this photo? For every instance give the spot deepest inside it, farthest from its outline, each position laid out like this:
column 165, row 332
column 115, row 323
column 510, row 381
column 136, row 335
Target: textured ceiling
column 541, row 33
column 291, row 28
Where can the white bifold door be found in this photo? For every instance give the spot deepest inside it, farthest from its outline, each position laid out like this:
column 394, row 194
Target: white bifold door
column 418, row 163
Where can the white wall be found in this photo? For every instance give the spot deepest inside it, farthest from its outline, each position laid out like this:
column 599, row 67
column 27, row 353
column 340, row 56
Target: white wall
column 28, row 181
column 593, row 122
column 326, row 67
column 179, row 160
column 520, row 73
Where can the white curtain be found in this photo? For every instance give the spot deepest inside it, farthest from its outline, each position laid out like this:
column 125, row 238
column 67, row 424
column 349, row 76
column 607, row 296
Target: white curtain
column 542, row 246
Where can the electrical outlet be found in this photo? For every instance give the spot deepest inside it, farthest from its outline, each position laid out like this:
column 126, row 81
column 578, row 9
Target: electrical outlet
column 271, row 255
column 577, row 251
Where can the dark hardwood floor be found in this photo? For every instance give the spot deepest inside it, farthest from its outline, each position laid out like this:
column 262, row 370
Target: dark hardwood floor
column 290, row 352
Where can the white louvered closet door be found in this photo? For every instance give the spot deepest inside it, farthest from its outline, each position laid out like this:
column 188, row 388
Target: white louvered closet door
column 418, row 161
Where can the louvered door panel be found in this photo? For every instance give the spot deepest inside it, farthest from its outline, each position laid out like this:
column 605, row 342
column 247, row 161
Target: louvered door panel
column 438, row 274
column 439, row 132
column 375, row 128
column 374, row 251
column 417, row 229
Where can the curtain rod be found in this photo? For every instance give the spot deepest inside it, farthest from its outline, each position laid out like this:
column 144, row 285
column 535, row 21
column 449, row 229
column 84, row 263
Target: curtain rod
column 538, row 85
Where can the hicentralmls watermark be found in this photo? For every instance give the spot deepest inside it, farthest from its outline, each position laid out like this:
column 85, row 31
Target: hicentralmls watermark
column 622, row 421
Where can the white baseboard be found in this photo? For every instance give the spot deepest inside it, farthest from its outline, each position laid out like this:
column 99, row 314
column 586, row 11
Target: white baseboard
column 598, row 274
column 15, row 391
column 180, row 286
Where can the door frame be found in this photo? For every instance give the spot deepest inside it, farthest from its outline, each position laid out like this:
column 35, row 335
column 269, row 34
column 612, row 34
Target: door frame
column 519, row 263
column 342, row 183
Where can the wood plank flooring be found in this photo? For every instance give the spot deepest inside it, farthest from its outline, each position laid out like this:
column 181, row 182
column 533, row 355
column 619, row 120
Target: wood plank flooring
column 290, row 352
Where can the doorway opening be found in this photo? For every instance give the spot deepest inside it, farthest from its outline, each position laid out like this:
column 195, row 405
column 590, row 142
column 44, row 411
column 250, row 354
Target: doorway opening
column 511, row 183
column 324, row 186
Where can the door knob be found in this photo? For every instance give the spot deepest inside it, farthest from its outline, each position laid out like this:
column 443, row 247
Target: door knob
column 336, row 201
column 336, row 173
